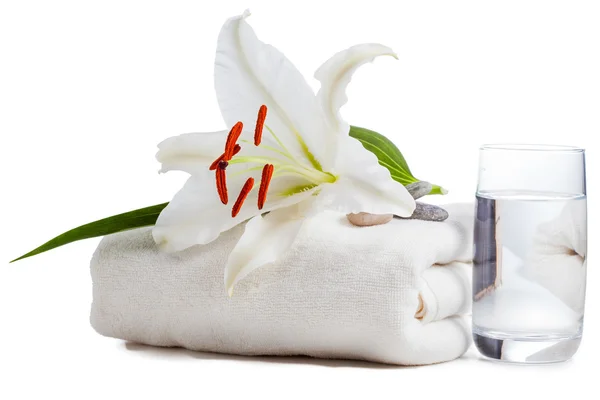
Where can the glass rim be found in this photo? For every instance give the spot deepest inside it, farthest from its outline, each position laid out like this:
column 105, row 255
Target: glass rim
column 532, row 147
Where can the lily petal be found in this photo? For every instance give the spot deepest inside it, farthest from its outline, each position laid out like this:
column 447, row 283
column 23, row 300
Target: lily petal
column 194, row 152
column 197, row 216
column 335, row 75
column 190, row 152
column 364, row 185
column 265, row 240
column 250, row 73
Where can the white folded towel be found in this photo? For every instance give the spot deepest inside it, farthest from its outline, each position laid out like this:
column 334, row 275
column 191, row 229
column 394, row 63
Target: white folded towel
column 391, row 293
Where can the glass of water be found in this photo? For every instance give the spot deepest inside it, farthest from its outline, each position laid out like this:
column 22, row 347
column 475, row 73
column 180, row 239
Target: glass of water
column 529, row 264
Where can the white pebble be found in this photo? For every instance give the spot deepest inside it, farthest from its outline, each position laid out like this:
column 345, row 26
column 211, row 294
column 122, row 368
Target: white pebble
column 366, row 219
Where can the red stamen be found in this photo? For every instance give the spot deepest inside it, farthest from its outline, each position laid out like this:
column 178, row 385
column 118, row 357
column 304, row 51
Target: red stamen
column 222, row 185
column 232, row 138
column 260, row 122
column 267, row 174
column 215, row 163
column 242, row 197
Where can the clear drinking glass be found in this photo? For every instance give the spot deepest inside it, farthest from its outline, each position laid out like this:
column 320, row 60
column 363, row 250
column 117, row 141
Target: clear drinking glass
column 530, row 252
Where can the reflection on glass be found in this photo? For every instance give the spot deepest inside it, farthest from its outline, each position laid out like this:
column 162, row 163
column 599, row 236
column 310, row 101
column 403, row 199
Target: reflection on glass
column 530, row 253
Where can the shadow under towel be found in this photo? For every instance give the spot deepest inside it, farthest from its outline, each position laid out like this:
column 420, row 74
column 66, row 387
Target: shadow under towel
column 392, row 293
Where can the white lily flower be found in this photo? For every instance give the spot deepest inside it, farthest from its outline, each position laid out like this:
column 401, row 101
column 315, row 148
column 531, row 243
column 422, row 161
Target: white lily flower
column 305, row 160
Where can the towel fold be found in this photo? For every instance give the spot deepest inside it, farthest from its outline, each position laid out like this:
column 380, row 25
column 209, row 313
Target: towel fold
column 392, row 293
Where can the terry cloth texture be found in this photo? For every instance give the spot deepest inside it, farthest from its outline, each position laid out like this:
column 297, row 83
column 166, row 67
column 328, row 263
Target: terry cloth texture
column 393, row 293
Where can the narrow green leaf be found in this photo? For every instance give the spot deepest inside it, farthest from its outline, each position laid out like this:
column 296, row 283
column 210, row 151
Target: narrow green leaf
column 389, row 156
column 117, row 223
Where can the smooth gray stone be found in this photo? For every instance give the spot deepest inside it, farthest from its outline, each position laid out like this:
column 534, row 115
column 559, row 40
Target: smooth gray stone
column 428, row 212
column 419, row 189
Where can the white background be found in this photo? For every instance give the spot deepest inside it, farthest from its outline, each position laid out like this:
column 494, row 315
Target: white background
column 87, row 90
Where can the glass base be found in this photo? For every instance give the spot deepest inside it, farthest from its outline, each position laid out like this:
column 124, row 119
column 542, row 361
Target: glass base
column 526, row 350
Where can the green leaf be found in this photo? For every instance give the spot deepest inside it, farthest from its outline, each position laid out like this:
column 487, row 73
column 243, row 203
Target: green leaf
column 117, row 223
column 389, row 156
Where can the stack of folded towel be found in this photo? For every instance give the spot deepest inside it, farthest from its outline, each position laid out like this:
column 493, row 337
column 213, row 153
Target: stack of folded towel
column 393, row 293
